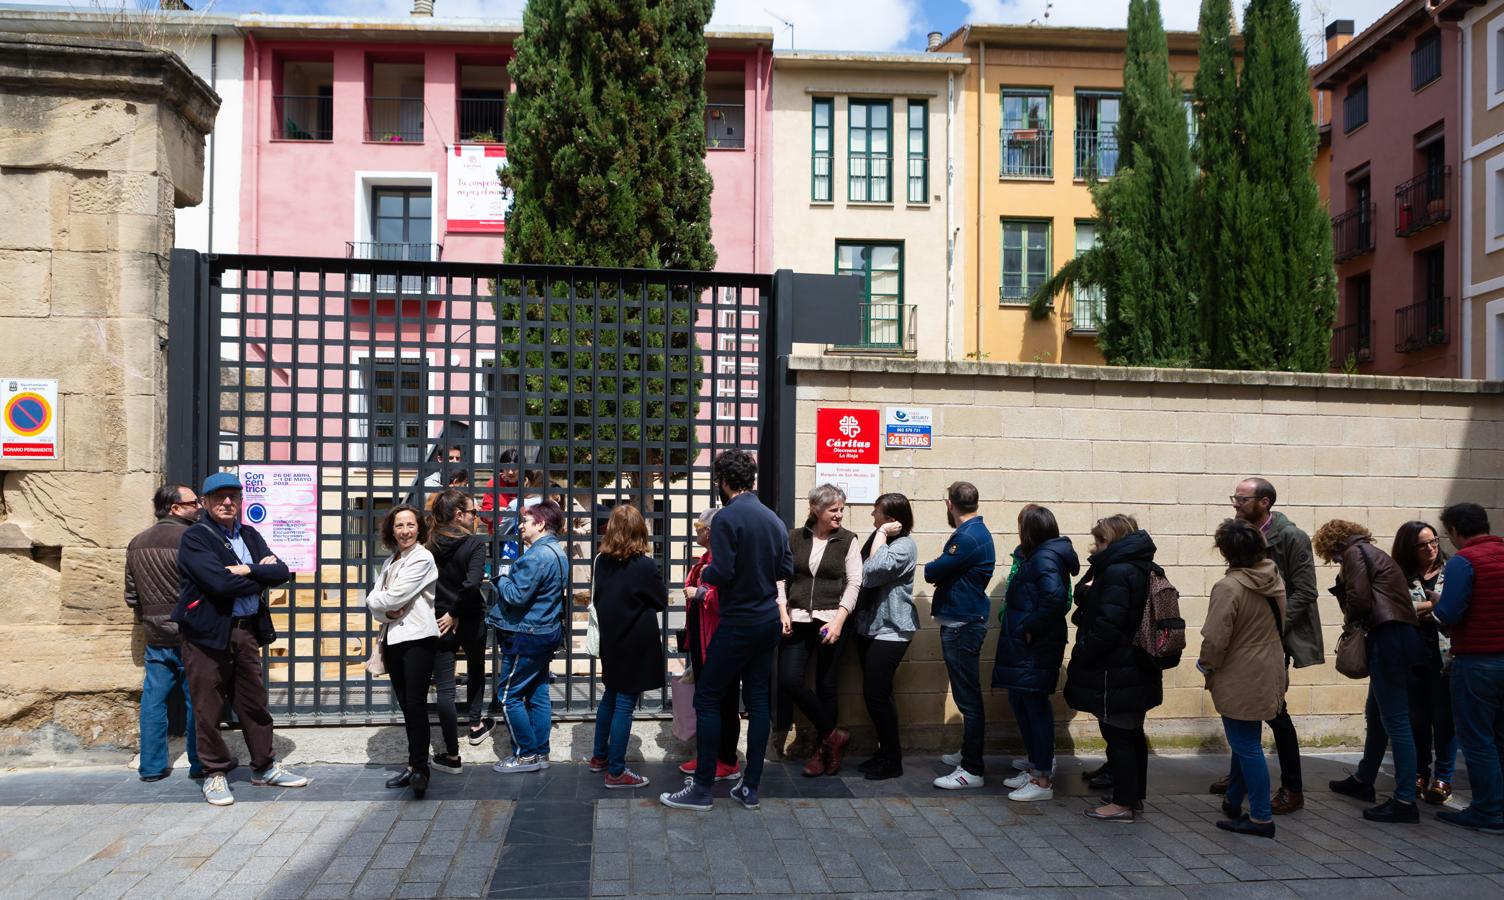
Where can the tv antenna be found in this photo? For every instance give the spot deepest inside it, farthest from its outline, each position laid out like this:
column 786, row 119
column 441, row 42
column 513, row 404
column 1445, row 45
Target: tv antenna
column 786, row 24
column 1048, row 5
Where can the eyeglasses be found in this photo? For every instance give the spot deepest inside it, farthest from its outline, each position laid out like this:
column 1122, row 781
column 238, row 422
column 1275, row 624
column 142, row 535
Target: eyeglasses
column 468, row 512
column 1433, row 542
column 1239, row 501
column 194, row 502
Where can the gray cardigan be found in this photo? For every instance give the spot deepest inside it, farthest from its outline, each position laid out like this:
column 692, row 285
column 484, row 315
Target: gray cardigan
column 886, row 603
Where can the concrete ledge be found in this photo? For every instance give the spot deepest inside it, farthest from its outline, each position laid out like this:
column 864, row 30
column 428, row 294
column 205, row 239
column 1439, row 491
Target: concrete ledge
column 1055, row 371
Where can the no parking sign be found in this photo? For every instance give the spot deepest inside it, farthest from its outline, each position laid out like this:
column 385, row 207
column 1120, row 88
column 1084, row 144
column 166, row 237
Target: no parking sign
column 28, row 418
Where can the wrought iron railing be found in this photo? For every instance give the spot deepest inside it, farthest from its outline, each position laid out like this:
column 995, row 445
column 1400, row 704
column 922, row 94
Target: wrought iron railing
column 1352, row 232
column 919, row 179
column 1027, row 153
column 819, row 185
column 1425, row 61
column 1088, row 310
column 482, row 121
column 302, row 117
column 1421, row 325
column 1096, row 153
column 388, row 250
column 1355, row 108
column 868, row 177
column 397, row 120
column 887, row 327
column 1422, row 201
column 1352, row 344
column 725, row 126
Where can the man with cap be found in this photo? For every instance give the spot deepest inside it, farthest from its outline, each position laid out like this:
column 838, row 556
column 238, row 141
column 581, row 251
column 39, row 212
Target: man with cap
column 224, row 569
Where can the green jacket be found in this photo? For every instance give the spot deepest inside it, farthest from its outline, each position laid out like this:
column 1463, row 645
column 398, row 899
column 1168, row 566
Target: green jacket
column 1291, row 549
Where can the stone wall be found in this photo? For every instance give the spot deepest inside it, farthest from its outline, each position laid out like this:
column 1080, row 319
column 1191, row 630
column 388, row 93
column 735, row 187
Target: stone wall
column 99, row 142
column 1168, row 446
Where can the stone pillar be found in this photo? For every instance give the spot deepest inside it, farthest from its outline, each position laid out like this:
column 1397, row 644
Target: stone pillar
column 99, row 142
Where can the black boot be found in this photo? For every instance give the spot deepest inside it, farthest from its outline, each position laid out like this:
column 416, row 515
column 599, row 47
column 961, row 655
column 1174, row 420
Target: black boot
column 1352, row 787
column 420, row 783
column 400, row 780
column 1393, row 811
column 1245, row 825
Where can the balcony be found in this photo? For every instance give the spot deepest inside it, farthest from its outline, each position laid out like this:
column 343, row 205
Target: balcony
column 1421, row 325
column 723, row 126
column 867, row 177
column 394, row 120
column 1096, row 154
column 481, row 121
column 1352, row 232
column 1027, row 153
column 888, row 329
column 1352, row 344
column 1088, row 311
column 378, row 250
column 1422, row 201
column 302, row 117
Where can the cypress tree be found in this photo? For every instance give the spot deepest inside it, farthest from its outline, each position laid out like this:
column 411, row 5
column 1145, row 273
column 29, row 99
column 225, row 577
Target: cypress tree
column 1279, row 312
column 1215, row 224
column 606, row 137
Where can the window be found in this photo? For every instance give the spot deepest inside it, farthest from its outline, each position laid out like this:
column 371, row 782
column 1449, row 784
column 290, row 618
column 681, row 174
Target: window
column 869, row 150
column 881, row 269
column 1089, row 306
column 1192, row 121
column 1425, row 60
column 482, row 111
column 394, row 103
column 401, row 229
column 1097, row 133
column 1493, row 179
column 1355, row 106
column 392, row 411
column 1026, row 258
column 303, row 100
column 1026, row 137
column 919, row 147
column 820, row 150
column 725, row 111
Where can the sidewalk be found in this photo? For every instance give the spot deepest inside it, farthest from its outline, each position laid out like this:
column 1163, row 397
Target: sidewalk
column 102, row 833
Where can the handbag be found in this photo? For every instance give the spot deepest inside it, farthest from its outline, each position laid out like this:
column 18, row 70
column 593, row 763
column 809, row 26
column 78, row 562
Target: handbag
column 683, row 701
column 593, row 621
column 376, row 665
column 1352, row 645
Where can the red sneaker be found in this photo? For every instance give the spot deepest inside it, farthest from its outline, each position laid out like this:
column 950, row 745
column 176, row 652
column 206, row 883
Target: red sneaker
column 627, row 779
column 727, row 771
column 688, row 768
column 596, row 764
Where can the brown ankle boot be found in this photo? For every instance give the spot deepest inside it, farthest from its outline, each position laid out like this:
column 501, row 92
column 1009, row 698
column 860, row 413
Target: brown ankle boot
column 817, row 762
column 1287, row 801
column 835, row 750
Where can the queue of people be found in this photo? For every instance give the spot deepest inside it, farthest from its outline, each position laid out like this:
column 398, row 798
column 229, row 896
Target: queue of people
column 1425, row 630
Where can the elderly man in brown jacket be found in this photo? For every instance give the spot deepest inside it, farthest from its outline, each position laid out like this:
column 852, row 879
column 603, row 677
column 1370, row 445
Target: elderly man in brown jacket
column 151, row 589
column 1243, row 658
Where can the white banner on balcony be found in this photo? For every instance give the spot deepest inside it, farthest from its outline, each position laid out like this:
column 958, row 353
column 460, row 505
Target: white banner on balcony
column 477, row 201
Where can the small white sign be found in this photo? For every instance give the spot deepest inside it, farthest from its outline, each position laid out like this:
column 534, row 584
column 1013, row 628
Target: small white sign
column 908, row 428
column 282, row 504
column 28, row 418
column 858, row 481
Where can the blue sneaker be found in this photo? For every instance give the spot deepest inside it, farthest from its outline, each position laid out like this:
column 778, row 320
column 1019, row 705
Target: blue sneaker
column 691, row 796
column 745, row 794
column 1468, row 818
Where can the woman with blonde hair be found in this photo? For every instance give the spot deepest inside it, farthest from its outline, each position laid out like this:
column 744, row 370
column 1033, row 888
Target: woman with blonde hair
column 629, row 595
column 1375, row 597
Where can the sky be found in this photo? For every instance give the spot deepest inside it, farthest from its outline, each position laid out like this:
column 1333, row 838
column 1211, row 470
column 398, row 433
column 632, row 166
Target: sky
column 873, row 25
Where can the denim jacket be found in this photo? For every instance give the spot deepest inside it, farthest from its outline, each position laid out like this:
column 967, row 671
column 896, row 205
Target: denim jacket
column 531, row 595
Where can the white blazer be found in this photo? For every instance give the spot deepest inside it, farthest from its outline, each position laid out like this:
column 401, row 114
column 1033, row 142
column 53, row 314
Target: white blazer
column 407, row 583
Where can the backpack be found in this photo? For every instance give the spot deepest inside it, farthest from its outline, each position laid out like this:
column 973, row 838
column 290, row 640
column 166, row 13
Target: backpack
column 1161, row 633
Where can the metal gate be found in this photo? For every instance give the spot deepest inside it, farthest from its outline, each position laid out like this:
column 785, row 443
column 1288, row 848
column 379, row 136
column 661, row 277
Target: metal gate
column 391, row 380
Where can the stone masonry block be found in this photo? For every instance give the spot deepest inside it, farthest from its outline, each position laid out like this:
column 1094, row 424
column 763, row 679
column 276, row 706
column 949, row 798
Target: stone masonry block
column 1124, row 456
column 31, row 588
column 976, row 421
column 1005, row 391
column 1146, row 425
column 81, row 509
column 1181, row 458
column 35, row 207
column 955, row 390
column 108, row 356
column 94, row 432
column 1125, row 395
column 26, row 282
column 1207, row 427
column 1053, row 455
column 79, row 133
column 92, row 587
column 1036, row 422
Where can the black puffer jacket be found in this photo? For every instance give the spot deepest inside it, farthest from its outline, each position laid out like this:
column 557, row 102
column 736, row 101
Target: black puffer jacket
column 1107, row 675
column 1031, row 641
column 462, row 567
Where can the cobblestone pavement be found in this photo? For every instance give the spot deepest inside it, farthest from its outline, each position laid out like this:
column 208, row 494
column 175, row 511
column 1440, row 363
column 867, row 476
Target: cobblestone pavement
column 102, row 833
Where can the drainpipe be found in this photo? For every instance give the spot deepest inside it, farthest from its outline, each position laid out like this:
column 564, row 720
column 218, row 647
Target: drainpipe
column 213, row 85
column 950, row 215
column 757, row 203
column 1464, row 302
column 255, row 138
column 981, row 105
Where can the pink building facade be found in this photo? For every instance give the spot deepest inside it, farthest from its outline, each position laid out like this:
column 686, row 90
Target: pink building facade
column 1395, row 151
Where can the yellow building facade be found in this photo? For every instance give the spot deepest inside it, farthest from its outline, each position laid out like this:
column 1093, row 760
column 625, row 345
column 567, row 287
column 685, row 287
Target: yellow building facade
column 1040, row 112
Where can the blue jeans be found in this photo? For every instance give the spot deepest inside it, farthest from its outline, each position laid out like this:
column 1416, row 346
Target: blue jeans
column 1250, row 771
column 613, row 728
column 1478, row 707
column 522, row 690
column 1388, row 716
column 961, row 645
column 1036, row 723
column 164, row 674
column 742, row 652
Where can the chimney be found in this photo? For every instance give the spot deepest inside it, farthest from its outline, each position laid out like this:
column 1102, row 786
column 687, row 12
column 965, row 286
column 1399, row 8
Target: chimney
column 423, row 8
column 934, row 39
column 1338, row 35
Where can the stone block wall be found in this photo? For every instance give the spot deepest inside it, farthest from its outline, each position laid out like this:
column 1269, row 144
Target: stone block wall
column 99, row 142
column 1169, row 447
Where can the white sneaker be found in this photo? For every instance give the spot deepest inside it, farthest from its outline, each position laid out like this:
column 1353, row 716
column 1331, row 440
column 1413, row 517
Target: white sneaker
column 952, row 759
column 1031, row 791
column 958, row 780
column 217, row 791
column 1017, row 781
column 515, row 764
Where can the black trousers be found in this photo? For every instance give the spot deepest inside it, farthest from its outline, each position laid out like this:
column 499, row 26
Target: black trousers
column 793, row 665
column 469, row 637
column 410, row 665
column 731, row 723
column 880, row 661
column 1128, row 758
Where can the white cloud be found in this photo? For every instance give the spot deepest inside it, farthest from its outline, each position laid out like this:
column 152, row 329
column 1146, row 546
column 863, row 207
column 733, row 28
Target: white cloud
column 872, row 25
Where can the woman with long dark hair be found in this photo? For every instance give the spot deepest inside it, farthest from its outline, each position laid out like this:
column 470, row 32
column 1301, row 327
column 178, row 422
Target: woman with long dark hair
column 402, row 600
column 461, row 614
column 1418, row 554
column 1031, row 643
column 885, row 624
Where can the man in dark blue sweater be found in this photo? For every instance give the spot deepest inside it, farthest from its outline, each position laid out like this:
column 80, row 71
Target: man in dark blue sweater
column 749, row 555
column 960, row 605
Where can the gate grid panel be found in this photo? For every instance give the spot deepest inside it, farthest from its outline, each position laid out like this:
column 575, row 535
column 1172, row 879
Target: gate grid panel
column 591, row 387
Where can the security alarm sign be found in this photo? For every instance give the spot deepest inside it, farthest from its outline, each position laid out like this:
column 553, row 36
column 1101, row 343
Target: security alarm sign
column 847, row 451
